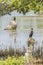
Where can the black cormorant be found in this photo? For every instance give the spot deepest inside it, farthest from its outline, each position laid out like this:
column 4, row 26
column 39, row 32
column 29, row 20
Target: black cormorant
column 31, row 33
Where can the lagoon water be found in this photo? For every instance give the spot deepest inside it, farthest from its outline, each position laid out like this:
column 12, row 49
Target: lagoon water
column 18, row 39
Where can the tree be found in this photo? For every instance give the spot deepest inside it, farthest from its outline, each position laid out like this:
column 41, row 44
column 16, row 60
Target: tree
column 6, row 6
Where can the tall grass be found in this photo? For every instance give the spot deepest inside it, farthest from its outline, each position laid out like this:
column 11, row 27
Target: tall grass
column 11, row 52
column 38, row 53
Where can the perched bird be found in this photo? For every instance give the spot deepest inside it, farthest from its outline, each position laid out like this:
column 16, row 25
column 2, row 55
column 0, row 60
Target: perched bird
column 31, row 33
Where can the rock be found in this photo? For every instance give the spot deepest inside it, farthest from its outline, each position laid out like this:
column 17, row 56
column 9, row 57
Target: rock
column 11, row 26
column 31, row 41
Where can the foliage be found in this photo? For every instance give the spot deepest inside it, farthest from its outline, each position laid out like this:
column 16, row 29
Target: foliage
column 13, row 61
column 6, row 6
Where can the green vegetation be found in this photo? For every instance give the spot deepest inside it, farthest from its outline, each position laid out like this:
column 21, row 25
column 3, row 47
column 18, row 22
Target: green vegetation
column 13, row 61
column 6, row 6
column 12, row 57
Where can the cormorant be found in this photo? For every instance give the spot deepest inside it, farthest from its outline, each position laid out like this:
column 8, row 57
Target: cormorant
column 31, row 33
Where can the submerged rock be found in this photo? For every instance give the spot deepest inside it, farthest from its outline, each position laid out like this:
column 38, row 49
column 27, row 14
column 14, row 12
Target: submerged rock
column 11, row 26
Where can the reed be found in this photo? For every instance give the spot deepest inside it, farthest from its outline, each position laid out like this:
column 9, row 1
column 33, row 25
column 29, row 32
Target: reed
column 4, row 53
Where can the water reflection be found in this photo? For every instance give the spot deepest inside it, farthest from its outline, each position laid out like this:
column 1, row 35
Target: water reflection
column 13, row 34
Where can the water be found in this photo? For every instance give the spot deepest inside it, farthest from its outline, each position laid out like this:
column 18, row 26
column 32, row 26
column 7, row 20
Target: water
column 18, row 39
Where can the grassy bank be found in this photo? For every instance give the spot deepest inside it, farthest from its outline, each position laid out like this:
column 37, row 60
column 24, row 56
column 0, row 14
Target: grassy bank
column 20, row 60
